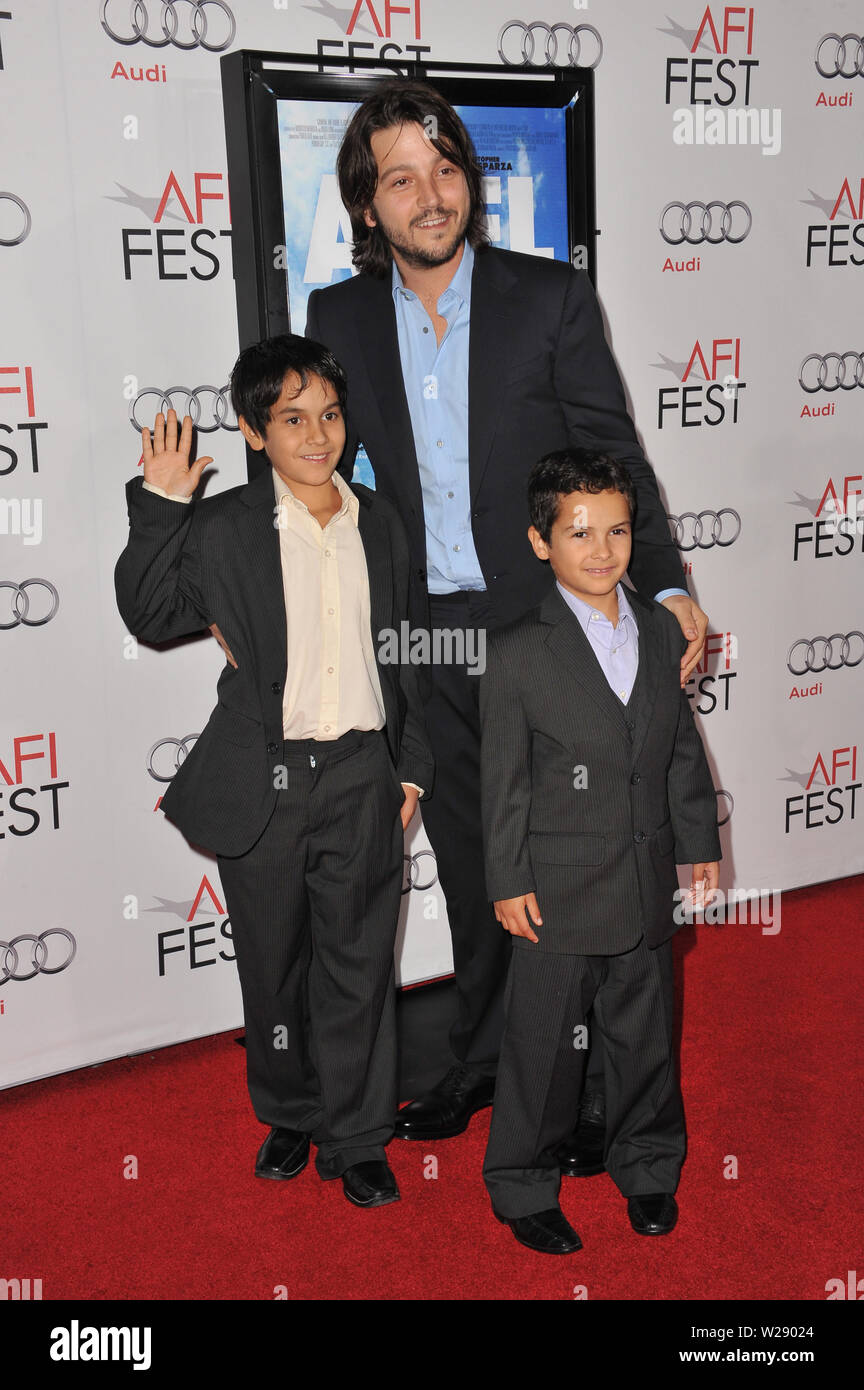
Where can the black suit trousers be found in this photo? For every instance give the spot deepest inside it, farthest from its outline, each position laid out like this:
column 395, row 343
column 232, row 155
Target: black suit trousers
column 453, row 822
column 314, row 907
column 543, row 1058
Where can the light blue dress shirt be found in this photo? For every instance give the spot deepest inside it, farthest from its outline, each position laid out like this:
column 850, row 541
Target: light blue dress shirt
column 436, row 385
column 616, row 648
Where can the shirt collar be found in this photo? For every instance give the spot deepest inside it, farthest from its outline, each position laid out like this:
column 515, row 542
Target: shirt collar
column 583, row 610
column 350, row 503
column 460, row 285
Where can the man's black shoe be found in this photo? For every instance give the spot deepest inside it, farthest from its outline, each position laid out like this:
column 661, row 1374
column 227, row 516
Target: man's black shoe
column 370, row 1184
column 283, row 1154
column 445, row 1110
column 653, row 1215
column 548, row 1232
column 581, row 1154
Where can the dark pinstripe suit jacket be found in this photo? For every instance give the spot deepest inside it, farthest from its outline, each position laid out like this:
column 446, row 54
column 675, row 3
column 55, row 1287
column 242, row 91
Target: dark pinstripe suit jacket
column 600, row 858
column 217, row 560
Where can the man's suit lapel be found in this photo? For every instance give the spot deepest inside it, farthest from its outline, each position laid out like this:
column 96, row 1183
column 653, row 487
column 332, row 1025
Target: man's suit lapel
column 569, row 644
column 376, row 331
column 493, row 339
column 259, row 539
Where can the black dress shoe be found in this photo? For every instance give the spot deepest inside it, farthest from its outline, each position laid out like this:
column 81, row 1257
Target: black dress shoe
column 283, row 1154
column 548, row 1232
column 652, row 1215
column 370, row 1184
column 445, row 1110
column 581, row 1154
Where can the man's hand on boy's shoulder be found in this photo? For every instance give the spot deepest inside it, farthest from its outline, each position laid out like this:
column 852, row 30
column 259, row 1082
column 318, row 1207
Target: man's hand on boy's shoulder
column 694, row 624
column 166, row 456
column 513, row 914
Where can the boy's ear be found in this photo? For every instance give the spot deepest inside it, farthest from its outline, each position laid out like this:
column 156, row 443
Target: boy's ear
column 252, row 437
column 541, row 549
column 368, row 218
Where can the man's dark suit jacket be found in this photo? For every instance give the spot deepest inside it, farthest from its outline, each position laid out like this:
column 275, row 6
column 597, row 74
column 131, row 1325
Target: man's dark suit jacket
column 217, row 560
column 540, row 377
column 600, row 858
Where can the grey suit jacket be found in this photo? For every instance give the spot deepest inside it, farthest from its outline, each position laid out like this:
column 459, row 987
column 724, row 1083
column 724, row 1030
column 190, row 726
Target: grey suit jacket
column 600, row 858
column 217, row 559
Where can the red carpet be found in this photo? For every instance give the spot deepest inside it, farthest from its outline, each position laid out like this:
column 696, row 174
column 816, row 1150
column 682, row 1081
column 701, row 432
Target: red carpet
column 771, row 1071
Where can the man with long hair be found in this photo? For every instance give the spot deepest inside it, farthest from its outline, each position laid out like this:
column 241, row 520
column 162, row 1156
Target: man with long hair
column 464, row 364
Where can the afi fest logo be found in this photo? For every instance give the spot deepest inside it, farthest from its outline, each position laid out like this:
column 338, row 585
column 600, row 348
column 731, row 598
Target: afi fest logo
column 200, row 943
column 713, row 371
column 710, row 681
column 716, row 79
column 391, row 31
column 828, row 793
column 837, row 527
column 160, row 252
column 18, row 418
column 832, row 243
column 33, row 803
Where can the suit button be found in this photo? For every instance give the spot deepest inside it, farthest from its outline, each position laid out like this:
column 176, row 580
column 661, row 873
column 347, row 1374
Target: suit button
column 421, row 574
column 636, row 778
column 639, row 836
column 630, row 725
column 272, row 747
column 276, row 687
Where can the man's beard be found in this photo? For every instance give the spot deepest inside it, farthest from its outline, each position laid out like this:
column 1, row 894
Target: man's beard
column 423, row 258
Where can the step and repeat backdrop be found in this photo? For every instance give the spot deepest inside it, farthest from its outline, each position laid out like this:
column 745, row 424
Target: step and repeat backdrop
column 730, row 203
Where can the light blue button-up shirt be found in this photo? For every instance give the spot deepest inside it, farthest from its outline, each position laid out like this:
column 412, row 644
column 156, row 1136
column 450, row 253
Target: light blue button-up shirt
column 436, row 385
column 616, row 648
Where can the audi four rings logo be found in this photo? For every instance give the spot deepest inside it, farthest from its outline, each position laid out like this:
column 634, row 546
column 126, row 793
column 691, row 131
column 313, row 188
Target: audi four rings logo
column 25, row 213
column 210, row 404
column 555, row 50
column 723, row 820
column 163, row 767
column 417, row 877
column 19, row 603
column 11, row 957
column 832, row 373
column 705, row 228
column 820, row 654
column 705, row 529
column 195, row 17
column 842, row 57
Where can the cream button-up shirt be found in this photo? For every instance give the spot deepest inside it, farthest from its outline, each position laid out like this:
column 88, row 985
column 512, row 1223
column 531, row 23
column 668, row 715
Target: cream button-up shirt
column 332, row 683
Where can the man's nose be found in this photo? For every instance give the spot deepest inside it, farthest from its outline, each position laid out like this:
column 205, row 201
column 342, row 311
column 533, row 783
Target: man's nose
column 427, row 192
